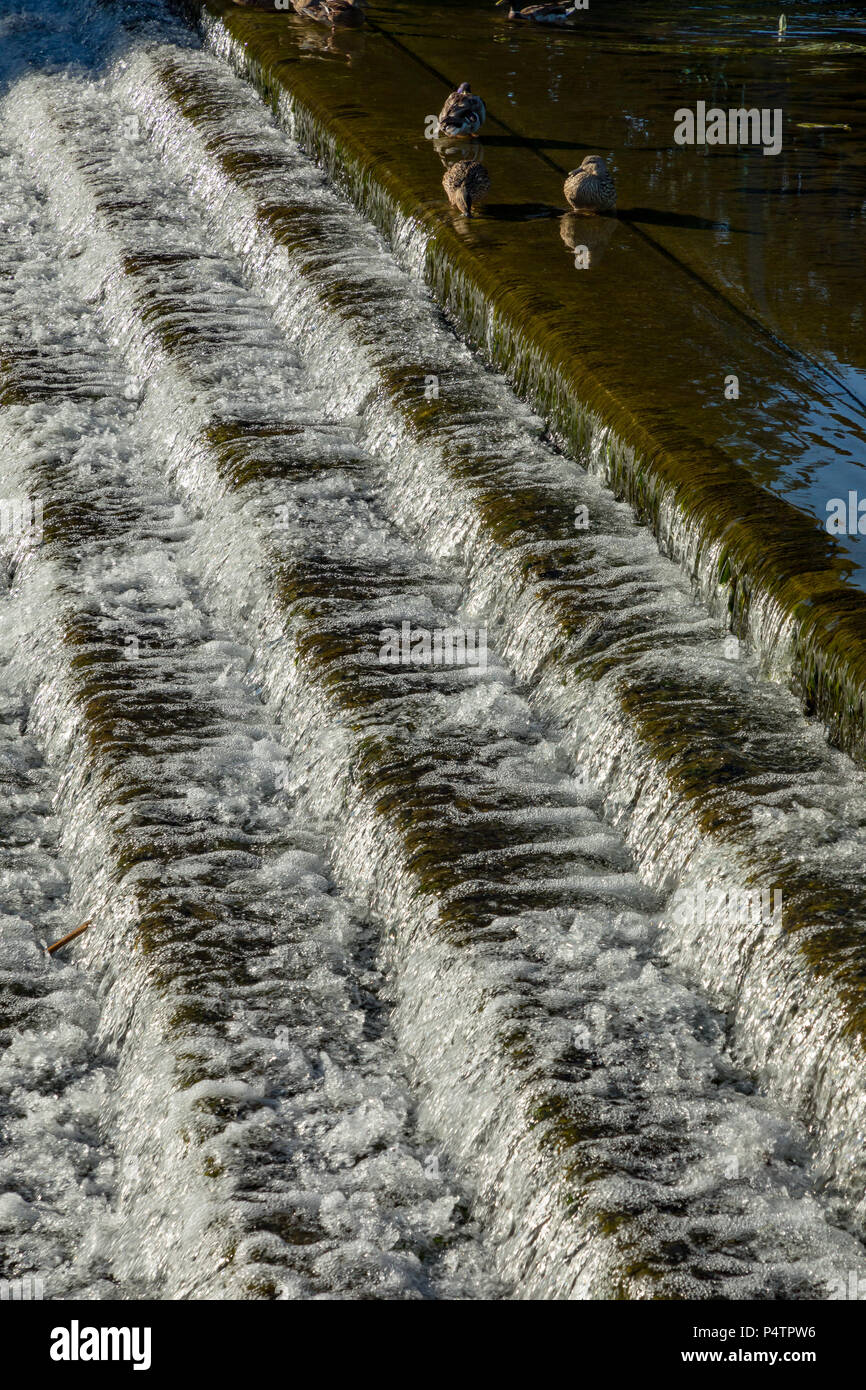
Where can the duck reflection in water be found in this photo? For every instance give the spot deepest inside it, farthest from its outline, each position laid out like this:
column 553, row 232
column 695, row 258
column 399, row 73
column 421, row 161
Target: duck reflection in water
column 554, row 14
column 335, row 13
column 343, row 44
column 451, row 151
column 586, row 237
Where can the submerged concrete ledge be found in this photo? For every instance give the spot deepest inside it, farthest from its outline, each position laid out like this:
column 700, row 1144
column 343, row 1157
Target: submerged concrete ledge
column 779, row 580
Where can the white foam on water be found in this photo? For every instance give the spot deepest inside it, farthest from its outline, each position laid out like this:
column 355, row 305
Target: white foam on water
column 325, row 1156
column 359, row 1127
column 653, row 1045
column 56, row 1169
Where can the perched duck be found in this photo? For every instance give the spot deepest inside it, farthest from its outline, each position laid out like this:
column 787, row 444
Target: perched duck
column 541, row 14
column 331, row 11
column 464, row 113
column 591, row 188
column 467, row 184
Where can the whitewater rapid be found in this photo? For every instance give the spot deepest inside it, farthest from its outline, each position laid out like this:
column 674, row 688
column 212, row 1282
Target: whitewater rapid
column 386, row 992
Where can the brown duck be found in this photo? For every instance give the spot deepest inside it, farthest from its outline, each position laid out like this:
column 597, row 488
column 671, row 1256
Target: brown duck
column 467, row 184
column 464, row 113
column 591, row 188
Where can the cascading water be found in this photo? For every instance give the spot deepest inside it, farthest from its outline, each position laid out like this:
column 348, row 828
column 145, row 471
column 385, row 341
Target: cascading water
column 254, row 1107
column 634, row 623
column 390, row 990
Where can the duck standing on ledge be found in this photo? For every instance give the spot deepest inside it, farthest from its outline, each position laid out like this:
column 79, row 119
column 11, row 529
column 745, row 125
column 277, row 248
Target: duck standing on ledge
column 464, row 113
column 467, row 184
column 331, row 12
column 541, row 14
column 591, row 188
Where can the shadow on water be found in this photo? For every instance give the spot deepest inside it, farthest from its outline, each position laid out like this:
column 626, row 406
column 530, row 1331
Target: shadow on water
column 537, row 212
column 656, row 217
column 541, row 146
column 521, row 212
column 527, row 142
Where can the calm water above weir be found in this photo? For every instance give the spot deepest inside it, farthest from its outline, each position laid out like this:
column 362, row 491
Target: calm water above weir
column 723, row 261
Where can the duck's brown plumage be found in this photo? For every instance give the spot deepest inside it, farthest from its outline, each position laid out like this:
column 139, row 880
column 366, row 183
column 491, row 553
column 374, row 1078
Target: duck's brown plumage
column 464, row 113
column 591, row 188
column 467, row 184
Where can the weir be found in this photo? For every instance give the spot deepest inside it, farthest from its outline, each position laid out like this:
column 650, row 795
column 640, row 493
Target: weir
column 632, row 383
column 712, row 774
column 447, row 802
column 536, row 975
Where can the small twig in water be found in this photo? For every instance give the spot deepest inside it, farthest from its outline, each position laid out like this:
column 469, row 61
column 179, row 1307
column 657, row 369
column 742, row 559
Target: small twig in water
column 55, row 946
